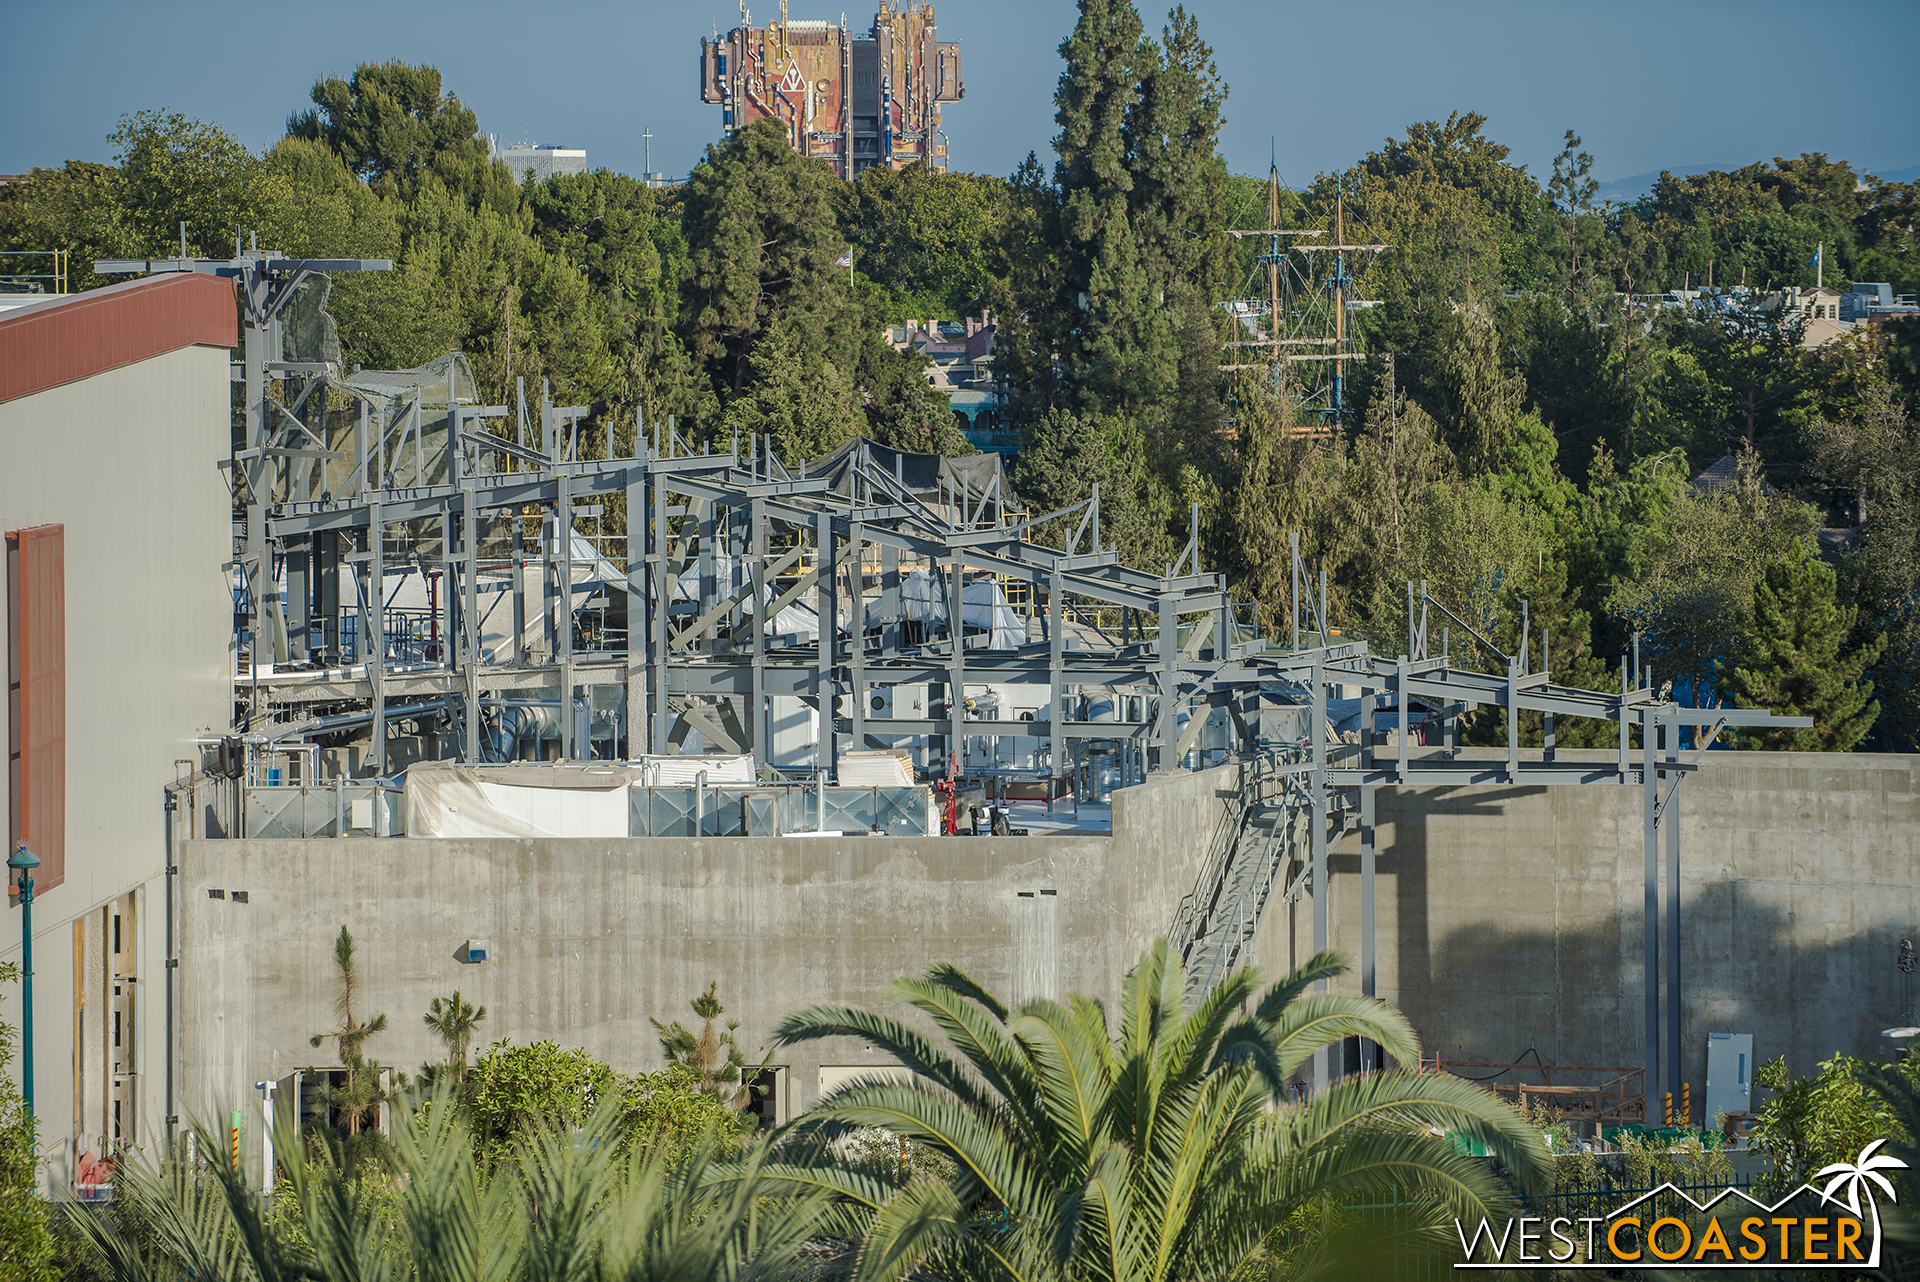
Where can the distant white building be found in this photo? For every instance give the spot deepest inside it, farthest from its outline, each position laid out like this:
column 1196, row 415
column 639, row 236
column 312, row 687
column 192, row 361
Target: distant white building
column 541, row 160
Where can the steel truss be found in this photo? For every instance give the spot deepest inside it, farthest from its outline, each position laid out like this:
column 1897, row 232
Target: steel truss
column 763, row 535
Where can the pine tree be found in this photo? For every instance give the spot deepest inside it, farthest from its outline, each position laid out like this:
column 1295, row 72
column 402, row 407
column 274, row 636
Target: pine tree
column 763, row 244
column 711, row 1053
column 1118, row 353
column 1796, row 660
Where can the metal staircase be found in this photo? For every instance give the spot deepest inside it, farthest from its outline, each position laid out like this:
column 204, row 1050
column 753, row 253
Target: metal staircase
column 1263, row 846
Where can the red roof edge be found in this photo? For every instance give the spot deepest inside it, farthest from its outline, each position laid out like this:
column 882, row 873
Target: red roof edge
column 63, row 340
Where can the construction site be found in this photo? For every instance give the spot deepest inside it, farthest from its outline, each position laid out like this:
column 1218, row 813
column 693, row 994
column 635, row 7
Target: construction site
column 580, row 735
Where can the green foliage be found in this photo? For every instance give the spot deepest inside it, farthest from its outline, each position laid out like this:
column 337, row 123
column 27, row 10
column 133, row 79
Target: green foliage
column 1800, row 659
column 26, row 1236
column 712, row 1055
column 759, row 224
column 1693, row 593
column 394, row 127
column 1829, row 1117
column 920, row 234
column 676, row 1112
column 453, row 1020
column 1174, row 1128
column 563, row 1202
column 514, row 1090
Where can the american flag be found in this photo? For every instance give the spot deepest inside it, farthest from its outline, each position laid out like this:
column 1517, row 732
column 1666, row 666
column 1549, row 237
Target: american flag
column 845, row 260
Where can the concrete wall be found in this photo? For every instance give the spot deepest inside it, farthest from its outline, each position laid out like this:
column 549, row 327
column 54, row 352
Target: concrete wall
column 591, row 937
column 126, row 461
column 1508, row 920
column 1513, row 920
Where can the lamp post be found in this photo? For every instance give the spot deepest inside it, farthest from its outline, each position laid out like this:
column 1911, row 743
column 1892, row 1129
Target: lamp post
column 21, row 863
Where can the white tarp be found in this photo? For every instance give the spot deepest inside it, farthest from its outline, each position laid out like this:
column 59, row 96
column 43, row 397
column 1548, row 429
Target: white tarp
column 571, row 800
column 684, row 772
column 794, row 620
column 870, row 769
column 983, row 605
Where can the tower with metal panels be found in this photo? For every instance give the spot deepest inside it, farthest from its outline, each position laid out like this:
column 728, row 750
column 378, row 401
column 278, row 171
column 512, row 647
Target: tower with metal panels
column 853, row 101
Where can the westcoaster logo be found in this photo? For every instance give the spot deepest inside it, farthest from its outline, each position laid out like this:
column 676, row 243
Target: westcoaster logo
column 1666, row 1229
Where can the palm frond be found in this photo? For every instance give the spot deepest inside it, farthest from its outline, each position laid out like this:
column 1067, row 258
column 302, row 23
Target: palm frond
column 1325, row 964
column 1323, row 1019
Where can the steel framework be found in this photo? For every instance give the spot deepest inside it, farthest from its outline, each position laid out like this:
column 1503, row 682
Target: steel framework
column 717, row 545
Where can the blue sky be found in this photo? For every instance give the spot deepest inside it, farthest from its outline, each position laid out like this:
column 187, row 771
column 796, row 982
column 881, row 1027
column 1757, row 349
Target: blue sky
column 1649, row 85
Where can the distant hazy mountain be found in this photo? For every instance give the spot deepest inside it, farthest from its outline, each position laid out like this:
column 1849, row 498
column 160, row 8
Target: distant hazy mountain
column 1627, row 190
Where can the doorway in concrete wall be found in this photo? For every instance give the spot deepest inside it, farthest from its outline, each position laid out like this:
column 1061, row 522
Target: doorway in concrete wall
column 769, row 1100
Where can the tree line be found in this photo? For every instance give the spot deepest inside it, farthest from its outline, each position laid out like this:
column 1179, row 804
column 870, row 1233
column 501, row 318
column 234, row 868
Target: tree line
column 1526, row 425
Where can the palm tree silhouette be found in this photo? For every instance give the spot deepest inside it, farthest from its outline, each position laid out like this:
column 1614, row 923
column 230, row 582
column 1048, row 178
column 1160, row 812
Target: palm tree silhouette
column 1855, row 1176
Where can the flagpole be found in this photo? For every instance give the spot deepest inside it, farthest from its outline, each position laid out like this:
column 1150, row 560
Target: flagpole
column 1820, row 266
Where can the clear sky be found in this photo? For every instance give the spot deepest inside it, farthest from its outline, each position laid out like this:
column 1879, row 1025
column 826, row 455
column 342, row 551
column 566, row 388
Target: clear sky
column 1650, row 85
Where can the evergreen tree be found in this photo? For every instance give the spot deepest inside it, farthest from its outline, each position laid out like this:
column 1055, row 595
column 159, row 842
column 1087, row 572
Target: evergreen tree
column 394, row 126
column 1475, row 398
column 759, row 224
column 1118, row 353
column 801, row 397
column 1797, row 660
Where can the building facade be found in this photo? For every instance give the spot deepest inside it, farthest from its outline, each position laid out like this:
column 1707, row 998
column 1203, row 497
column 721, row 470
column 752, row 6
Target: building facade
column 853, row 101
column 113, row 429
column 542, row 160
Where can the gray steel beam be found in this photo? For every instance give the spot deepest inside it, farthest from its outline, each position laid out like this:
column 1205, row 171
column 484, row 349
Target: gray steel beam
column 1650, row 917
column 1317, row 794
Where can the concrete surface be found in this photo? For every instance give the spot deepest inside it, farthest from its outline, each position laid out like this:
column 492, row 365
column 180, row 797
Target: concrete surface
column 1510, row 920
column 591, row 937
column 1507, row 921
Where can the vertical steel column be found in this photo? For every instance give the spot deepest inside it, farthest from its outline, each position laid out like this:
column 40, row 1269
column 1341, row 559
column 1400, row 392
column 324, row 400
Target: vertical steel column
column 1670, row 819
column 957, row 665
column 636, row 605
column 448, row 581
column 1165, row 736
column 374, row 641
column 1369, row 1050
column 829, row 627
column 1057, row 691
column 857, row 614
column 470, row 612
column 1513, row 721
column 757, row 717
column 519, row 565
column 563, row 528
column 1650, row 794
column 300, row 560
column 1405, row 730
column 1317, row 794
column 662, row 599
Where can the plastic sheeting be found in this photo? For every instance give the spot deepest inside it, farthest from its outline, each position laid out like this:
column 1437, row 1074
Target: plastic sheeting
column 869, row 769
column 983, row 605
column 664, row 772
column 446, row 800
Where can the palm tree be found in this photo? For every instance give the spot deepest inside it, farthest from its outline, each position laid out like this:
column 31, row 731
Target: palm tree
column 573, row 1204
column 1170, row 1152
column 453, row 1021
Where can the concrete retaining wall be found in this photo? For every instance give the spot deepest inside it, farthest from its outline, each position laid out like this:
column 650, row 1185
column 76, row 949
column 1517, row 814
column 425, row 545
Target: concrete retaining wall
column 1510, row 920
column 591, row 937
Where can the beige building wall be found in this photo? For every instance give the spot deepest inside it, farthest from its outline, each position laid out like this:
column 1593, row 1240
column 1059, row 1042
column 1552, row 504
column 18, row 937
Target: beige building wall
column 127, row 461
